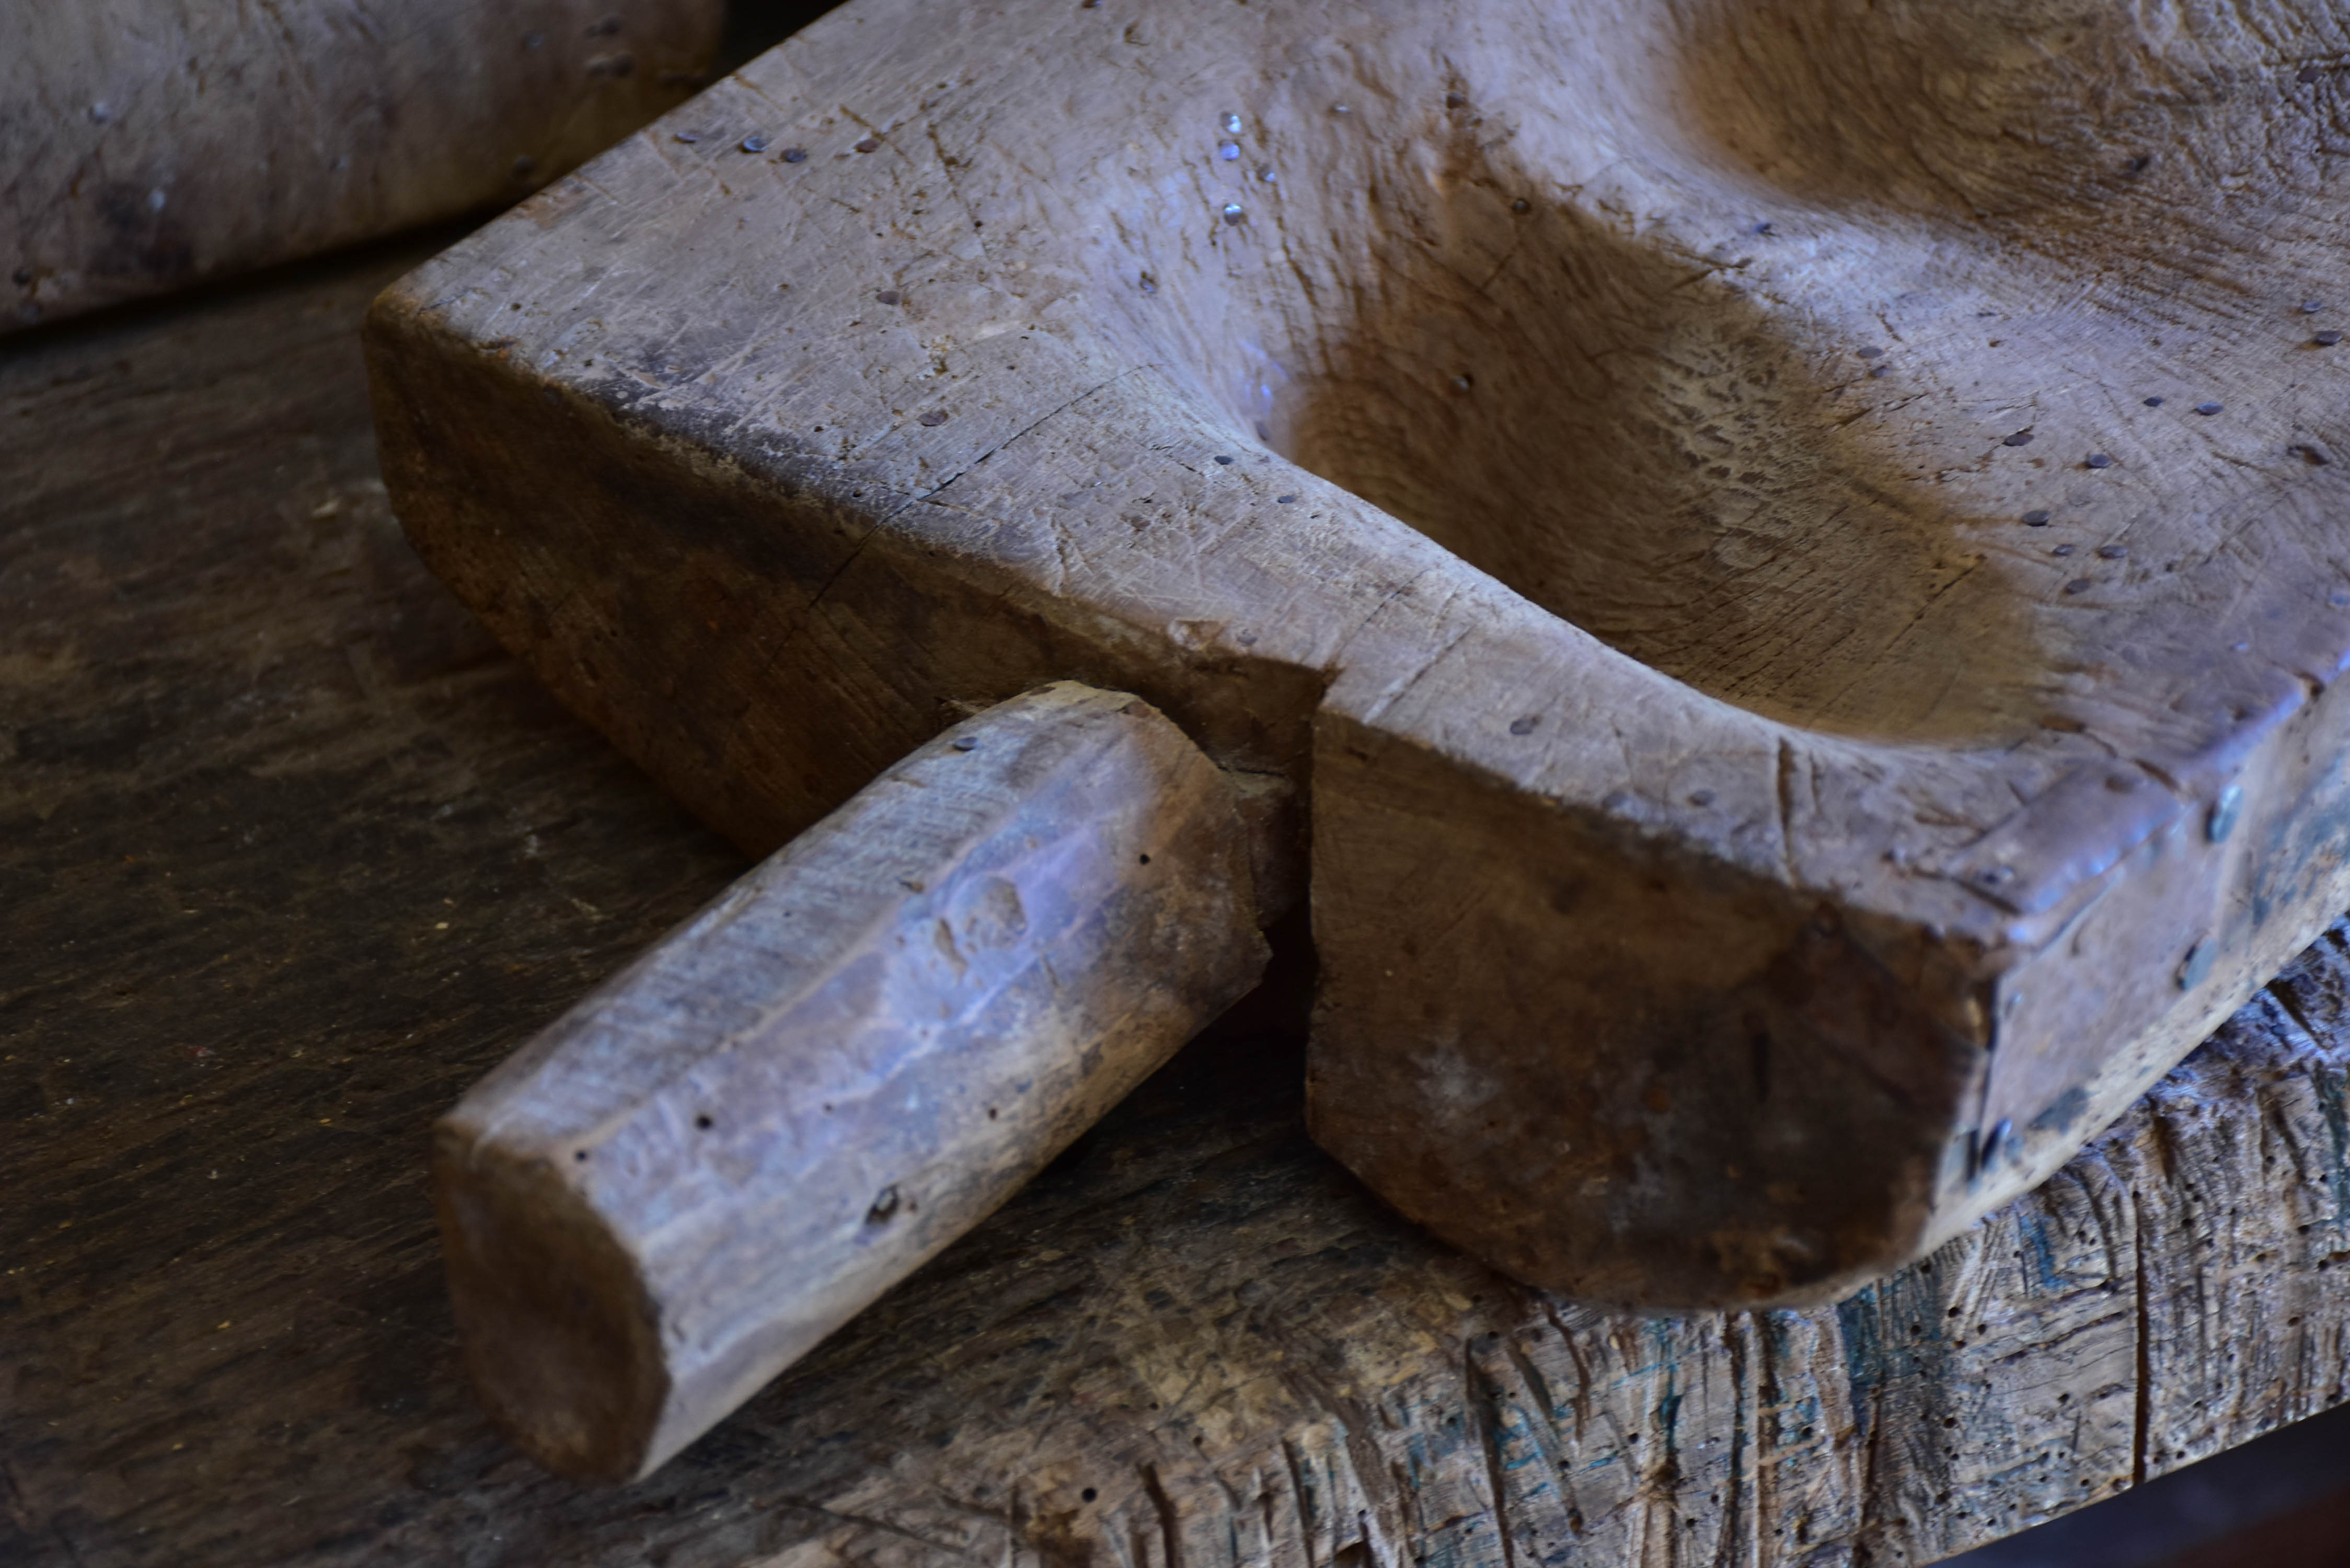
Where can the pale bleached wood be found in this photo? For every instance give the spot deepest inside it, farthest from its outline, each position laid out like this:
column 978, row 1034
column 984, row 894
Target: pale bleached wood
column 147, row 145
column 1729, row 811
column 837, row 1069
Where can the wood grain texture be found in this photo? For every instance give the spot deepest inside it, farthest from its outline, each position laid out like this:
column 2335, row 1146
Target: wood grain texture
column 1805, row 719
column 148, row 144
column 289, row 855
column 846, row 1062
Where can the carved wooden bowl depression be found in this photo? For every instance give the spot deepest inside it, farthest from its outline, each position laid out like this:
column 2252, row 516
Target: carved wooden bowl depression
column 1772, row 570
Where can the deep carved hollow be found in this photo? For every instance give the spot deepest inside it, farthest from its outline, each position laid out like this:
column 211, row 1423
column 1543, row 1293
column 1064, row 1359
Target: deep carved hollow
column 1658, row 463
column 1769, row 412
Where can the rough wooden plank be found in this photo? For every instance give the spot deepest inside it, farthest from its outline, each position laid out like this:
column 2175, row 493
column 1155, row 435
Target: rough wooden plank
column 852, row 1057
column 148, row 144
column 224, row 1333
column 1766, row 813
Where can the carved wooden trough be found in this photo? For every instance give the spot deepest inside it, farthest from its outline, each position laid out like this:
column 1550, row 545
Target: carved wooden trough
column 1771, row 571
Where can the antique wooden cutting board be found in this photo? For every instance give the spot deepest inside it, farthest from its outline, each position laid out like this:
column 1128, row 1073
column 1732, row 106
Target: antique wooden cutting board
column 1771, row 569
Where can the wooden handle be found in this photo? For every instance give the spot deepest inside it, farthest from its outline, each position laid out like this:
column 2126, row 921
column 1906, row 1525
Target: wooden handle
column 860, row 1050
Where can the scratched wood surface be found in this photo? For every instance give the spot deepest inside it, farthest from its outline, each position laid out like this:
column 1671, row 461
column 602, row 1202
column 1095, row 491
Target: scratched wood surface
column 289, row 855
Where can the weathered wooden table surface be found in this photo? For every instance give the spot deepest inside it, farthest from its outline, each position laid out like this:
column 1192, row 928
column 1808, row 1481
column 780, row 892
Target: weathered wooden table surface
column 289, row 853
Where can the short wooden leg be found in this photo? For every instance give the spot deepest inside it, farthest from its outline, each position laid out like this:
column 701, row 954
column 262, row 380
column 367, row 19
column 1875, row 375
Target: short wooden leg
column 863, row 1048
